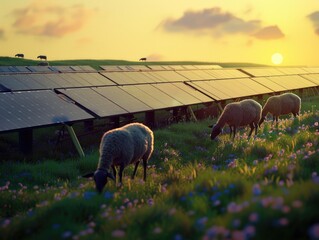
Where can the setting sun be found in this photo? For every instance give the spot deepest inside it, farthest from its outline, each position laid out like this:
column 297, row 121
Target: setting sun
column 277, row 58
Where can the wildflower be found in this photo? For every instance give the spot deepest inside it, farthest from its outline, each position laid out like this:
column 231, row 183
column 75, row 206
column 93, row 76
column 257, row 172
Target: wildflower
column 255, row 162
column 313, row 231
column 67, row 234
column 6, row 223
column 118, row 233
column 253, row 217
column 108, row 195
column 88, row 195
column 316, row 124
column 150, row 202
column 250, row 231
column 297, row 204
column 256, row 190
column 283, row 221
column 157, row 230
column 238, row 235
column 201, row 222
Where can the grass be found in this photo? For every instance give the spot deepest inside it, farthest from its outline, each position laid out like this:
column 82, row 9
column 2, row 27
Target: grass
column 257, row 188
column 10, row 61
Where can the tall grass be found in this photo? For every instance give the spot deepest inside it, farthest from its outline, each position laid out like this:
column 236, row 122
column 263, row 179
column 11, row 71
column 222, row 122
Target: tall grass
column 263, row 187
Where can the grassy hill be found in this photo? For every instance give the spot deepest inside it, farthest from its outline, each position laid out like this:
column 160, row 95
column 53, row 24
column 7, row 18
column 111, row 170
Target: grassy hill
column 9, row 61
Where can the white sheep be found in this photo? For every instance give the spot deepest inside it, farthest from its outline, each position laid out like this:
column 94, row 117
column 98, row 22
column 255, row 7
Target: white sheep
column 246, row 112
column 279, row 105
column 121, row 147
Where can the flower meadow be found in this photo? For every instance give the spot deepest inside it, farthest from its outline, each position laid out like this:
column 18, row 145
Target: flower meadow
column 265, row 187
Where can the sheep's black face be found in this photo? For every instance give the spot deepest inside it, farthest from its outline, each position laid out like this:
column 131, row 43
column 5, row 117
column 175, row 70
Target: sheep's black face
column 100, row 179
column 215, row 132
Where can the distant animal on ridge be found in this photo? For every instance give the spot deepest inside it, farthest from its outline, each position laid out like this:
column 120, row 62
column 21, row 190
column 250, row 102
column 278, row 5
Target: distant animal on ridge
column 42, row 57
column 19, row 55
column 243, row 113
column 279, row 105
column 143, row 59
column 121, row 147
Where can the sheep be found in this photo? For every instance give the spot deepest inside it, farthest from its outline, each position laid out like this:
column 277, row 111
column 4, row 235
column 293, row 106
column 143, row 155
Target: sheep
column 280, row 105
column 143, row 59
column 19, row 55
column 245, row 112
column 42, row 57
column 121, row 147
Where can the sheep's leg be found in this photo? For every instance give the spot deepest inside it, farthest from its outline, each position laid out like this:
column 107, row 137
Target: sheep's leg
column 121, row 172
column 135, row 169
column 114, row 172
column 256, row 128
column 231, row 130
column 251, row 129
column 234, row 132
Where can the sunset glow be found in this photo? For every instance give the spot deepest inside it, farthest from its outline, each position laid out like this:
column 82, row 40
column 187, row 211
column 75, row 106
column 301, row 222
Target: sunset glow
column 215, row 31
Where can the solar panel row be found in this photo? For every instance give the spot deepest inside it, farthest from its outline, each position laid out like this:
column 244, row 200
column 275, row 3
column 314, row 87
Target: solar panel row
column 45, row 69
column 28, row 100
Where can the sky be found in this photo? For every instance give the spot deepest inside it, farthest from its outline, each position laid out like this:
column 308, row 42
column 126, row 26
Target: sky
column 166, row 30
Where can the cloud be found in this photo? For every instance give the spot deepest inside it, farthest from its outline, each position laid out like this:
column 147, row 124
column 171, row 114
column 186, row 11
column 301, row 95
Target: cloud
column 213, row 21
column 314, row 18
column 216, row 22
column 47, row 18
column 268, row 33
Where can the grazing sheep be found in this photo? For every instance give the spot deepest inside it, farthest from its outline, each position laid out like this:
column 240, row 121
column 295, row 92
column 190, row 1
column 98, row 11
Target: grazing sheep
column 246, row 112
column 42, row 57
column 280, row 105
column 143, row 59
column 19, row 55
column 121, row 147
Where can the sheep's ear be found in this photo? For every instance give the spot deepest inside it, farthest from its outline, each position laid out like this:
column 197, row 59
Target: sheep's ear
column 88, row 175
column 210, row 126
column 110, row 175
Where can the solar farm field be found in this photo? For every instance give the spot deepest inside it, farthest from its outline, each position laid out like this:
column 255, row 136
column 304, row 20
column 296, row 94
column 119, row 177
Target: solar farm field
column 259, row 188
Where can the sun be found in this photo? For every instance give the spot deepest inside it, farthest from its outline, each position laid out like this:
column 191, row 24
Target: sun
column 277, row 58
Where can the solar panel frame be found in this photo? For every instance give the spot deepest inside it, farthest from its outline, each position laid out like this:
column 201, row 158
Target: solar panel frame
column 291, row 70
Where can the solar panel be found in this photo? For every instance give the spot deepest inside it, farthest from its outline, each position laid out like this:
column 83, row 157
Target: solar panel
column 312, row 77
column 207, row 88
column 207, row 67
column 287, row 70
column 168, row 76
column 93, row 101
column 179, row 94
column 262, row 72
column 111, row 68
column 270, row 84
column 40, row 69
column 255, row 88
column 175, row 67
column 311, row 69
column 156, row 67
column 139, row 67
column 292, row 82
column 203, row 98
column 226, row 73
column 82, row 69
column 190, row 75
column 36, row 108
column 147, row 97
column 165, row 100
column 119, row 77
column 123, row 99
column 5, row 69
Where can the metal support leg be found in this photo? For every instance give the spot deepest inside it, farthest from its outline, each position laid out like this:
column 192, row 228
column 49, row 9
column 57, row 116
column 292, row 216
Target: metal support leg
column 75, row 140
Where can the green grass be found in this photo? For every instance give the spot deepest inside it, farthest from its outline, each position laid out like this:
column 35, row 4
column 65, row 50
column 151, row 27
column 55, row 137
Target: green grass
column 196, row 189
column 10, row 61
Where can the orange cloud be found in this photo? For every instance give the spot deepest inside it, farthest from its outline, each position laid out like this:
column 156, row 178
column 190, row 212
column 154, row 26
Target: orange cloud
column 47, row 18
column 268, row 33
column 216, row 22
column 211, row 21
